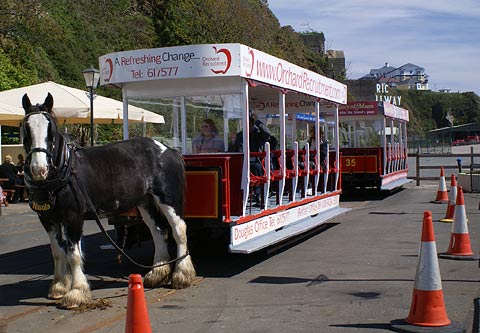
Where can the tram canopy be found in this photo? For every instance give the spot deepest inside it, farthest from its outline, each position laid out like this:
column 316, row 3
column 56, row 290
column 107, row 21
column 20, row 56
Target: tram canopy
column 162, row 72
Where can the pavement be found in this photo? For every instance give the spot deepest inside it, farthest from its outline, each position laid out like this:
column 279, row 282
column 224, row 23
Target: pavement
column 354, row 274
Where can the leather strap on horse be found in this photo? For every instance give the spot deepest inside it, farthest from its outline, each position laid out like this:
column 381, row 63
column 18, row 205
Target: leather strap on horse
column 97, row 220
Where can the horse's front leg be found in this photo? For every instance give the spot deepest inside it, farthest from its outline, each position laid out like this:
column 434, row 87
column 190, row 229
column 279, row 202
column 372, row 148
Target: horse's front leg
column 162, row 274
column 61, row 277
column 184, row 272
column 79, row 293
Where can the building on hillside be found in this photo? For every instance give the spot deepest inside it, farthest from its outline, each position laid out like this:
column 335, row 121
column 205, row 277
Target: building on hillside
column 315, row 41
column 361, row 90
column 408, row 76
column 378, row 73
column 336, row 64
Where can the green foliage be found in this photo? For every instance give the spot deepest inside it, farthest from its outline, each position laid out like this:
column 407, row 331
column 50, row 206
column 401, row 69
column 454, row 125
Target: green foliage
column 428, row 109
column 11, row 76
column 182, row 22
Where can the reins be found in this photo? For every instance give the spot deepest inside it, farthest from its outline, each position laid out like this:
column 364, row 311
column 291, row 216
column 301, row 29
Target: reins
column 63, row 176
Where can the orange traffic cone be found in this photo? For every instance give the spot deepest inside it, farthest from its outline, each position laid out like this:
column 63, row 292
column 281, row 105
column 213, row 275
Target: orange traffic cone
column 428, row 307
column 452, row 198
column 137, row 313
column 442, row 194
column 459, row 247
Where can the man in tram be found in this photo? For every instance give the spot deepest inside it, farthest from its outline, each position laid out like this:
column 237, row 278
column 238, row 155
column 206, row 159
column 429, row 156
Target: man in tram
column 259, row 135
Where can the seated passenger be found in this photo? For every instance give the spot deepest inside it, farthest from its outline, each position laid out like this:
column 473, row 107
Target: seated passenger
column 259, row 134
column 312, row 146
column 8, row 170
column 208, row 141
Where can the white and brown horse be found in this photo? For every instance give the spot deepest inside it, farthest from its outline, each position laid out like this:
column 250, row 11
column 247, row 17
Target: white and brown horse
column 68, row 185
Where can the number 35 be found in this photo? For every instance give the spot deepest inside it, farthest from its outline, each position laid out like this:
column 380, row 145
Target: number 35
column 350, row 162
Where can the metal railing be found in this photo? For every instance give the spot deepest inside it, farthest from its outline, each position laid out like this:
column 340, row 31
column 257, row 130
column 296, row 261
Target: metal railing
column 460, row 166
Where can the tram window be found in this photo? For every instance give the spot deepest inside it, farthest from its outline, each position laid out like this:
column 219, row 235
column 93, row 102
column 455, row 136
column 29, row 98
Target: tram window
column 167, row 133
column 367, row 135
column 360, row 134
column 212, row 122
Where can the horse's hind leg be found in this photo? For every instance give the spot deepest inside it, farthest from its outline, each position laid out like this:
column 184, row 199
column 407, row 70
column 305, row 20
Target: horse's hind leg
column 61, row 277
column 159, row 275
column 184, row 272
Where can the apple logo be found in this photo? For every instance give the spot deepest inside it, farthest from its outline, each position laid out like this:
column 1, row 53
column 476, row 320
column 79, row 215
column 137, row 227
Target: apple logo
column 229, row 61
column 252, row 61
column 109, row 70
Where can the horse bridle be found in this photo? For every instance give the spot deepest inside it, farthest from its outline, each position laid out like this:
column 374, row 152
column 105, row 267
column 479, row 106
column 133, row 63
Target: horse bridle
column 58, row 174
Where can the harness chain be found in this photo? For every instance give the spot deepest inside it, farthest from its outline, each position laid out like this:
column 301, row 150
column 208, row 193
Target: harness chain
column 63, row 176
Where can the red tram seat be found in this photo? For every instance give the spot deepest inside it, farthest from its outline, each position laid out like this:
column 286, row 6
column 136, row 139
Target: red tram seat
column 256, row 180
column 302, row 172
column 316, row 169
column 276, row 173
column 290, row 173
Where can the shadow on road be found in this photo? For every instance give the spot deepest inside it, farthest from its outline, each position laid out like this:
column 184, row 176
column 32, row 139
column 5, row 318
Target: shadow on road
column 367, row 194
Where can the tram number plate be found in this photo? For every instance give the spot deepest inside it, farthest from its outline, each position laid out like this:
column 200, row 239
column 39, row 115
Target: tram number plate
column 359, row 164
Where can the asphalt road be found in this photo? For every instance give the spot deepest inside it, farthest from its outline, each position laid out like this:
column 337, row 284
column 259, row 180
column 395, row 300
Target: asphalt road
column 354, row 274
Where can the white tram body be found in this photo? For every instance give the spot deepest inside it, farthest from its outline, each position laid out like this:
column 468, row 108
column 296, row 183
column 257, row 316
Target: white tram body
column 226, row 82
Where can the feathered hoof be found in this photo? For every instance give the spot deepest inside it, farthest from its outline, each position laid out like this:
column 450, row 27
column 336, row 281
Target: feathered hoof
column 76, row 298
column 184, row 274
column 157, row 277
column 57, row 290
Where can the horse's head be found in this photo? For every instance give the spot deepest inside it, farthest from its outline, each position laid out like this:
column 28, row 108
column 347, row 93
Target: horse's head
column 39, row 130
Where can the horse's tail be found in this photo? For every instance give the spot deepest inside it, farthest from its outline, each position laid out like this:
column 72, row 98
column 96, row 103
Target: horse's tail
column 184, row 184
column 181, row 179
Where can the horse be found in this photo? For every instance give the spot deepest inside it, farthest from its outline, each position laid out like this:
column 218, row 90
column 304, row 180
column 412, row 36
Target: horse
column 70, row 184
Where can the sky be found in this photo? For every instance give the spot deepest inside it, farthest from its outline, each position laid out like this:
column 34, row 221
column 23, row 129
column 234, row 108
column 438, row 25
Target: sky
column 442, row 36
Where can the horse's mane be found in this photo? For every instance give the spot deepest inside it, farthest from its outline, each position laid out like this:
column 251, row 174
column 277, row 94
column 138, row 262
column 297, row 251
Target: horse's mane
column 54, row 116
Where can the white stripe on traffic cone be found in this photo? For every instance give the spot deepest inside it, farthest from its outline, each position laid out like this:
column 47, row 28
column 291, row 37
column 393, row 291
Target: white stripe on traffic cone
column 442, row 194
column 452, row 198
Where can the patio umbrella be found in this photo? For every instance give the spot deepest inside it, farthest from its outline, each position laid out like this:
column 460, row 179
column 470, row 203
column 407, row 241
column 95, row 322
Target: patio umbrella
column 10, row 116
column 70, row 105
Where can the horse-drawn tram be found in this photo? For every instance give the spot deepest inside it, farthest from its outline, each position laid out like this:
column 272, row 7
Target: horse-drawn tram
column 373, row 143
column 258, row 186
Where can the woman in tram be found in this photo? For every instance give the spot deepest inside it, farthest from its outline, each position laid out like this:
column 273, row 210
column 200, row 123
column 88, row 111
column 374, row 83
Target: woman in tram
column 208, row 141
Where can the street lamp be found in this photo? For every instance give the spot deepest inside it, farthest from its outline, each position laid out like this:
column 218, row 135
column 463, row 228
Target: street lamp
column 91, row 76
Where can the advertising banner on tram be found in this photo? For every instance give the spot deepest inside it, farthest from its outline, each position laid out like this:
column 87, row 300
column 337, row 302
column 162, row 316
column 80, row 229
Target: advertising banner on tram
column 211, row 60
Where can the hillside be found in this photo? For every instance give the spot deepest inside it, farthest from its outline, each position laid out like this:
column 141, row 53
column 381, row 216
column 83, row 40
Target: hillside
column 55, row 40
column 429, row 110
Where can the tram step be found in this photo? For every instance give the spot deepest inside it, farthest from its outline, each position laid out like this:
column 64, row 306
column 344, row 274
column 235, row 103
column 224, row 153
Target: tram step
column 287, row 232
column 394, row 184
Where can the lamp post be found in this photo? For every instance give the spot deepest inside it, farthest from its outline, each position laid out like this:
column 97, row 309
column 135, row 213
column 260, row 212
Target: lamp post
column 91, row 76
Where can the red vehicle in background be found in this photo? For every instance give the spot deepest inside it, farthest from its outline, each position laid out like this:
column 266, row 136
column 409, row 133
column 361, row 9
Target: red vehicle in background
column 373, row 145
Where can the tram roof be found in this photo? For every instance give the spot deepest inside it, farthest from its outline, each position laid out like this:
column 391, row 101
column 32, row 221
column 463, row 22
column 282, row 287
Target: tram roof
column 210, row 69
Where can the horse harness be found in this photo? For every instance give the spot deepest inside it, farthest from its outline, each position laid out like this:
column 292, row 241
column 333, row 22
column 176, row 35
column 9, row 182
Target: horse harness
column 42, row 195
